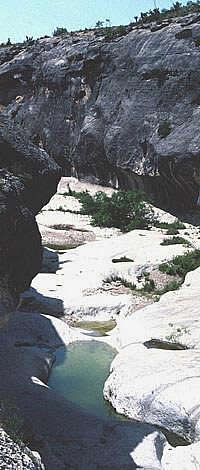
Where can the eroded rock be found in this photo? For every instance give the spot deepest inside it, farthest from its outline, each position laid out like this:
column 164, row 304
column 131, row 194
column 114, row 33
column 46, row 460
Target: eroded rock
column 155, row 376
column 101, row 106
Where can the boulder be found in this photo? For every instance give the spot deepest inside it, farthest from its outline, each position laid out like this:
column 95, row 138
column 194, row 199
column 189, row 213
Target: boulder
column 157, row 386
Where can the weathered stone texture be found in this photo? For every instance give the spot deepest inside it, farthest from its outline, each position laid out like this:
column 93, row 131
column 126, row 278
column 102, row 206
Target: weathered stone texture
column 99, row 106
column 28, row 178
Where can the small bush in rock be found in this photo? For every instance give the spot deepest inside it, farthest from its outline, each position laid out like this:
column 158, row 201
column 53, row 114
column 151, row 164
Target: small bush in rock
column 175, row 241
column 172, row 227
column 59, row 31
column 181, row 265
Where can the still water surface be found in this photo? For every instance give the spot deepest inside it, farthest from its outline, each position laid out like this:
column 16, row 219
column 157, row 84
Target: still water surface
column 79, row 375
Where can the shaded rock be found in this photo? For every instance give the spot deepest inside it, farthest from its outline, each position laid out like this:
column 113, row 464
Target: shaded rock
column 49, row 261
column 27, row 168
column 35, row 330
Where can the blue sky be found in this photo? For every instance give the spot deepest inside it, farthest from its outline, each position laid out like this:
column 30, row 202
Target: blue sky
column 36, row 18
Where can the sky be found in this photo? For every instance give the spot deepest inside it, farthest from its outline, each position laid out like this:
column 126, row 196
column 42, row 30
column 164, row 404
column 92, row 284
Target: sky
column 36, row 18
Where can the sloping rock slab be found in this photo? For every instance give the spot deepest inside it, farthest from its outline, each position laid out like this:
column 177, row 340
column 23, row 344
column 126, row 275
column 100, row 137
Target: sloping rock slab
column 175, row 318
column 181, row 458
column 159, row 387
column 63, row 239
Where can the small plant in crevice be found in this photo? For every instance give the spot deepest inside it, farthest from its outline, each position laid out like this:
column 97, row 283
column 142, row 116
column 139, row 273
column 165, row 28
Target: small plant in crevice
column 175, row 241
column 172, row 228
column 61, row 209
column 149, row 288
column 116, row 278
column 149, row 284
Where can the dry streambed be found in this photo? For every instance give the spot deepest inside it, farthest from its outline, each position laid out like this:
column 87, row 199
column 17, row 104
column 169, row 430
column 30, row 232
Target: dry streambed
column 155, row 376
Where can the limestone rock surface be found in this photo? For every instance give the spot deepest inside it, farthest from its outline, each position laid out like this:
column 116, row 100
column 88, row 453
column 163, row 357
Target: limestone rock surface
column 155, row 376
column 183, row 458
column 83, row 286
column 101, row 107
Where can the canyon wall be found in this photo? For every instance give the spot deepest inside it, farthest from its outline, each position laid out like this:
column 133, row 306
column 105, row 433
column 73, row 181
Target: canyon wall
column 122, row 111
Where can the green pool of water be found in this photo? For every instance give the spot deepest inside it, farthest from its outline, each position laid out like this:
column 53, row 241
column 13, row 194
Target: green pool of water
column 79, row 375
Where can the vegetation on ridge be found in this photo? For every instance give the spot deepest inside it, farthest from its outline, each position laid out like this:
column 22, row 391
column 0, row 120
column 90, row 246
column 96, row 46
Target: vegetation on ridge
column 112, row 32
column 177, row 9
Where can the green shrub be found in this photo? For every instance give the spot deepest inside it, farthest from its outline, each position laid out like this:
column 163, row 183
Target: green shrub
column 172, row 231
column 181, row 265
column 168, row 268
column 59, row 31
column 172, row 227
column 125, row 210
column 175, row 241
